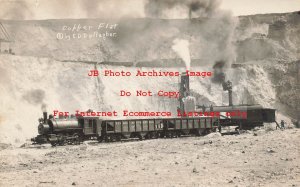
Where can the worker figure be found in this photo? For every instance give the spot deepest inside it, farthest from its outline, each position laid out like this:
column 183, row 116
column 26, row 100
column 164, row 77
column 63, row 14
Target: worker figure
column 282, row 124
column 203, row 108
column 277, row 126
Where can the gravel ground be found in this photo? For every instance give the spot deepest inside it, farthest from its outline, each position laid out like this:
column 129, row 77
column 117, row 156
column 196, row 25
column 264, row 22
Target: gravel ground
column 254, row 158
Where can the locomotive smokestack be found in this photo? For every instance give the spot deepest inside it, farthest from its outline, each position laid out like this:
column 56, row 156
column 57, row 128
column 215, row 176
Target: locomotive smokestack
column 230, row 97
column 184, row 89
column 220, row 77
column 45, row 116
column 184, row 85
column 227, row 86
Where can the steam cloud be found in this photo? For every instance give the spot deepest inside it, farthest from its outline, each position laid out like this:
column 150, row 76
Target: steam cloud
column 181, row 47
column 56, row 9
column 44, row 107
column 210, row 34
column 35, row 96
column 219, row 75
column 200, row 8
column 14, row 10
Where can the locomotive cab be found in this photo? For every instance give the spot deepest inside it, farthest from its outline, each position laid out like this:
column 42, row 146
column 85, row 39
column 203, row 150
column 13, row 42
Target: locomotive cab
column 90, row 125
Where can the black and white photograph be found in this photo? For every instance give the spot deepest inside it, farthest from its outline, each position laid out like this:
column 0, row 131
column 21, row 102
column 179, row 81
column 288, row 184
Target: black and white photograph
column 159, row 93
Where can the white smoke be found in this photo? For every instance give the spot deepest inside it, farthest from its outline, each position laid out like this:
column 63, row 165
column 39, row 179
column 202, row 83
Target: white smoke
column 189, row 103
column 181, row 47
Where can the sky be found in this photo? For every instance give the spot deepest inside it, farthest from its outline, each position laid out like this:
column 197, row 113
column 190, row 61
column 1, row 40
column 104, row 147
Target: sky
column 58, row 9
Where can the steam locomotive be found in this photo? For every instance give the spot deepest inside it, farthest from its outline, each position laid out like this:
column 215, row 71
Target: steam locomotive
column 252, row 115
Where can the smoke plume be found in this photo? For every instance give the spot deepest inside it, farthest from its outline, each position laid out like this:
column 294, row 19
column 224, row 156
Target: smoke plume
column 69, row 9
column 218, row 74
column 35, row 96
column 181, row 47
column 210, row 35
column 199, row 8
column 44, row 107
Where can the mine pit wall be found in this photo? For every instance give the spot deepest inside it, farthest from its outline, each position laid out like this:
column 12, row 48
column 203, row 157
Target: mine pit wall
column 286, row 79
column 26, row 83
column 257, row 37
column 29, row 83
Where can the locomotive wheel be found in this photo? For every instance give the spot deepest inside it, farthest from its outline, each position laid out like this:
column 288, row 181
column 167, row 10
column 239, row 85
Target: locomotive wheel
column 178, row 134
column 167, row 134
column 198, row 132
column 110, row 138
column 61, row 143
column 76, row 139
column 175, row 134
column 76, row 142
column 139, row 136
column 118, row 137
column 161, row 135
column 114, row 137
column 153, row 135
column 53, row 144
column 106, row 138
column 148, row 136
column 170, row 134
column 100, row 139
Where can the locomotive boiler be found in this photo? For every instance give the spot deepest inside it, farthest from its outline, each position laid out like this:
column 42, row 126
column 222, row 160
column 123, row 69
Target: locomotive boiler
column 57, row 125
